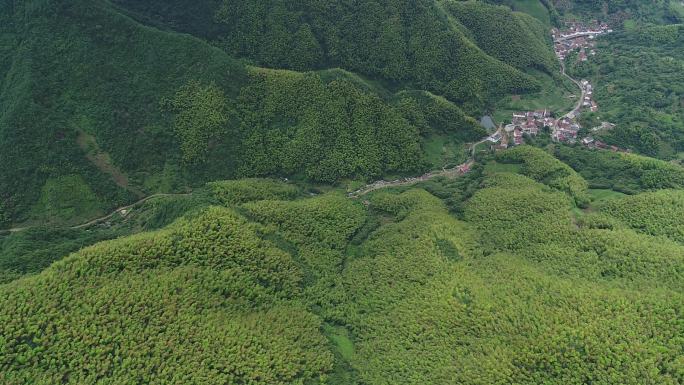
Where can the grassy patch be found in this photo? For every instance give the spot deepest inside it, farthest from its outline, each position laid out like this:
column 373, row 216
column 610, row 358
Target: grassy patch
column 554, row 96
column 442, row 151
column 678, row 8
column 494, row 167
column 339, row 336
column 67, row 199
column 533, row 8
column 103, row 161
column 629, row 25
column 604, row 194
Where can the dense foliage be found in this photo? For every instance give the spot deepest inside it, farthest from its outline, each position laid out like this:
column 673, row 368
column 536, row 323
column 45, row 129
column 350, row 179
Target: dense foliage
column 70, row 78
column 200, row 115
column 514, row 38
column 627, row 173
column 158, row 306
column 398, row 41
column 616, row 11
column 294, row 122
column 543, row 167
column 514, row 273
column 285, row 289
column 89, row 104
column 657, row 213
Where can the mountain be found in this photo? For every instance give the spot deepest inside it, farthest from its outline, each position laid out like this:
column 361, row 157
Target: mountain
column 278, row 192
column 515, row 273
column 105, row 103
column 512, row 37
column 404, row 43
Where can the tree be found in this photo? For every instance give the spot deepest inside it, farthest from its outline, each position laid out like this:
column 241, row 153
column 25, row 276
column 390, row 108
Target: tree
column 200, row 117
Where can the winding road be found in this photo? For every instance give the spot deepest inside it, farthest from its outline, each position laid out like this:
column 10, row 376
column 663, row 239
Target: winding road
column 578, row 106
column 450, row 172
column 108, row 216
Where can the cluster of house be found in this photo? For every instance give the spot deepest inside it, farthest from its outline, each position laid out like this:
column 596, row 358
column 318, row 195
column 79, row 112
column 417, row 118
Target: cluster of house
column 530, row 123
column 590, row 142
column 578, row 36
column 522, row 123
column 588, row 102
column 565, row 130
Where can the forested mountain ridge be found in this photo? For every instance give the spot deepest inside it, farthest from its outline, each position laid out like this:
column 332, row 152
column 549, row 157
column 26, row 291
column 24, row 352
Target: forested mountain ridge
column 495, row 277
column 544, row 264
column 400, row 42
column 99, row 109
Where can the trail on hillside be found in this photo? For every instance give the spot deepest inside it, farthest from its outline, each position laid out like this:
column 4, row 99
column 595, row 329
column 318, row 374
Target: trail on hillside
column 450, row 173
column 110, row 215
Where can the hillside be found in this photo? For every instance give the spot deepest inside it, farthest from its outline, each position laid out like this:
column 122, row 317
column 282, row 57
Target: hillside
column 514, row 38
column 278, row 192
column 103, row 104
column 270, row 285
column 617, row 11
column 406, row 44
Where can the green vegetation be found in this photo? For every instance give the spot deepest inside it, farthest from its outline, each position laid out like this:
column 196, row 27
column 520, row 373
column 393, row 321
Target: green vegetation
column 639, row 86
column 200, row 114
column 534, row 8
column 275, row 287
column 626, row 173
column 553, row 265
column 555, row 95
column 543, row 167
column 496, row 167
column 102, row 107
column 616, row 11
column 398, row 42
column 292, row 123
column 603, row 194
column 656, row 213
column 249, row 190
column 67, row 198
column 196, row 291
column 514, row 38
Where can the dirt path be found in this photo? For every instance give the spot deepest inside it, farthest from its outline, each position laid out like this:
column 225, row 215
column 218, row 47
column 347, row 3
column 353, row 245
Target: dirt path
column 450, row 173
column 120, row 209
column 108, row 216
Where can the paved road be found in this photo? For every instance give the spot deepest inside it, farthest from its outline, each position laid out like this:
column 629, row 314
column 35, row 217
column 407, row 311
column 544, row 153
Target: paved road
column 578, row 34
column 578, row 106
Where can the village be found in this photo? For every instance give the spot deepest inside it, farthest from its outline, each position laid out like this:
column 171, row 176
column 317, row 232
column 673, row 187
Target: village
column 578, row 36
column 565, row 128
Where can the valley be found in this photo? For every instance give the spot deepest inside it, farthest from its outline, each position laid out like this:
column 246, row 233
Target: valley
column 377, row 192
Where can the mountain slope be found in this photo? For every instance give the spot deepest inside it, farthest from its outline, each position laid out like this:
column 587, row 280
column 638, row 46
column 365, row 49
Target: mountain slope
column 271, row 287
column 512, row 37
column 99, row 107
column 404, row 43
